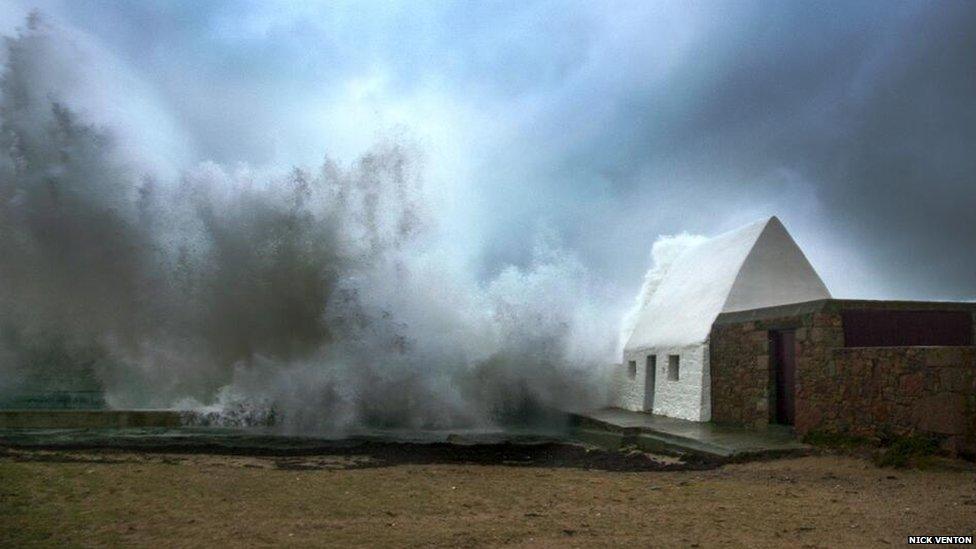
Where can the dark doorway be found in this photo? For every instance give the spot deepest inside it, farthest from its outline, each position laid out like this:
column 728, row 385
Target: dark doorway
column 650, row 375
column 782, row 354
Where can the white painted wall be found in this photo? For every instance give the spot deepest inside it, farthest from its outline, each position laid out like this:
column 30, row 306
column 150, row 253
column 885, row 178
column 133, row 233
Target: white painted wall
column 629, row 393
column 687, row 398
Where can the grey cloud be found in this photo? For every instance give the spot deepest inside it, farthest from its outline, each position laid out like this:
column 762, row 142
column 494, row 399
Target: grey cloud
column 610, row 124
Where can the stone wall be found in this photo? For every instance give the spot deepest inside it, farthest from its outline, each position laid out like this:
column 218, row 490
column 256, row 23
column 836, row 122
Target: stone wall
column 892, row 391
column 870, row 391
column 741, row 376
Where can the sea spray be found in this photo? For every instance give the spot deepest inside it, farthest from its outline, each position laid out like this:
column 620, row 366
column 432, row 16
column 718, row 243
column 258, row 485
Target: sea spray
column 322, row 298
column 664, row 251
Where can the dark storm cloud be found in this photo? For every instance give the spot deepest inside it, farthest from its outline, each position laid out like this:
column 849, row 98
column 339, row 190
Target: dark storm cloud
column 876, row 110
column 613, row 123
column 868, row 109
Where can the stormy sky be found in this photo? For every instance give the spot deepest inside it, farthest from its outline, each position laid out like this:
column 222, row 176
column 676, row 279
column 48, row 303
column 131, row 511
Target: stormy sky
column 603, row 123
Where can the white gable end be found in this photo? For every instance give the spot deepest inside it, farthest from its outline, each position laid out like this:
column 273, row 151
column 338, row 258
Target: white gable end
column 758, row 265
column 693, row 292
column 774, row 273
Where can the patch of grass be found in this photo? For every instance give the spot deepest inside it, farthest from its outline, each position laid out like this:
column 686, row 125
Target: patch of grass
column 911, row 451
column 915, row 451
column 836, row 441
column 24, row 521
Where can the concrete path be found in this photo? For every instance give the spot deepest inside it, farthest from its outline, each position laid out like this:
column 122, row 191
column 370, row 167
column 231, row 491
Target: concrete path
column 615, row 427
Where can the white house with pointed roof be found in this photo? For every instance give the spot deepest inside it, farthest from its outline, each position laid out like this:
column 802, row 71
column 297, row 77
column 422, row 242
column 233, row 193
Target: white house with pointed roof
column 665, row 361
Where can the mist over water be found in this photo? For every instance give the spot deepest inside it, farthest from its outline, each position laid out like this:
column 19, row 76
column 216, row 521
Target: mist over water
column 325, row 295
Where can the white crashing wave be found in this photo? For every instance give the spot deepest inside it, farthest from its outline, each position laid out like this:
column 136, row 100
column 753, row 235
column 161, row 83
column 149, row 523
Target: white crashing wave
column 322, row 299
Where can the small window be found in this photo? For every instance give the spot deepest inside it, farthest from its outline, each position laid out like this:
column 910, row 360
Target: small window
column 674, row 362
column 632, row 369
column 651, row 364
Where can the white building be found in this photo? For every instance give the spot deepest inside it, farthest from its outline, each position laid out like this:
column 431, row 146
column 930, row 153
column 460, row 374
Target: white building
column 665, row 362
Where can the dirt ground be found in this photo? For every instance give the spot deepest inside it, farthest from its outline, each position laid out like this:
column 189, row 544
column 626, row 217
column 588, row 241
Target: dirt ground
column 86, row 498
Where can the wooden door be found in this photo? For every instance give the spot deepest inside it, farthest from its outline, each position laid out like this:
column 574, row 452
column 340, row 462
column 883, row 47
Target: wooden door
column 783, row 355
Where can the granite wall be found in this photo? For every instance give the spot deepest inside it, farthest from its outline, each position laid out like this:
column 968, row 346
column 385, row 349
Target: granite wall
column 874, row 392
column 892, row 391
column 741, row 376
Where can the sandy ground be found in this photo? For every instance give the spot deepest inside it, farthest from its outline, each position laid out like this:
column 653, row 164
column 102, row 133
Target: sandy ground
column 97, row 499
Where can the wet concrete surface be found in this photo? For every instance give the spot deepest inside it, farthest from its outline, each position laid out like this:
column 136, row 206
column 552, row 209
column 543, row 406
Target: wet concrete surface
column 367, row 451
column 608, row 439
column 611, row 426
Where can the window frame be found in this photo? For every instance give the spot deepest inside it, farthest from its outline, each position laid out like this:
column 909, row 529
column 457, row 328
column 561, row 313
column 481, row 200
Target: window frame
column 674, row 367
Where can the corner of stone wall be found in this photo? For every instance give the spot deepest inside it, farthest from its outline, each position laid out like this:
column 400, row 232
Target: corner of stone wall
column 739, row 372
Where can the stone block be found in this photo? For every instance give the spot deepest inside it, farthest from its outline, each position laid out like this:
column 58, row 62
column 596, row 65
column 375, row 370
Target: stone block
column 911, row 384
column 763, row 346
column 808, row 417
column 879, row 412
column 821, row 319
column 943, row 413
column 958, row 380
column 943, row 356
column 834, row 338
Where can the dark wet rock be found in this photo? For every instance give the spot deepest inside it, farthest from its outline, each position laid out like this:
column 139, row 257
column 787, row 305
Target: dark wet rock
column 300, row 453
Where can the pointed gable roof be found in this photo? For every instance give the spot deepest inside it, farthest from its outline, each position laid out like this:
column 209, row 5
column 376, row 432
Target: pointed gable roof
column 758, row 265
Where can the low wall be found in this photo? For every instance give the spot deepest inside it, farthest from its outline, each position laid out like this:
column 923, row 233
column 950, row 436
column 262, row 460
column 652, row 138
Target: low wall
column 54, row 400
column 880, row 391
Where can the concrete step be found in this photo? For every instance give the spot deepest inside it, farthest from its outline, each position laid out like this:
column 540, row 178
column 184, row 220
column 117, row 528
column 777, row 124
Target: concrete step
column 618, row 428
column 654, row 442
